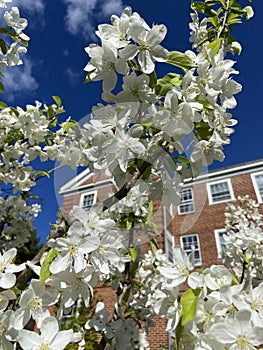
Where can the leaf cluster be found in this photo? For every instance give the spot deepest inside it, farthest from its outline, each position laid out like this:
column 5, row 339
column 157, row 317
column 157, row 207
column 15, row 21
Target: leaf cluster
column 222, row 15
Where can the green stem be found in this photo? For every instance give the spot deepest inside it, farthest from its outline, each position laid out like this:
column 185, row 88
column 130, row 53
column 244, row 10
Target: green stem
column 222, row 27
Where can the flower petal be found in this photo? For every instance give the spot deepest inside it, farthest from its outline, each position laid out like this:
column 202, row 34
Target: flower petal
column 49, row 328
column 28, row 340
column 62, row 339
column 7, row 280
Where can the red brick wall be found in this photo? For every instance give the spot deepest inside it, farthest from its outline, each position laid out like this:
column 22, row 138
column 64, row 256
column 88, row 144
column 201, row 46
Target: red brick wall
column 208, row 218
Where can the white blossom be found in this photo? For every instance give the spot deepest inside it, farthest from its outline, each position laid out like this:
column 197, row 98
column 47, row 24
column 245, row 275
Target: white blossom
column 147, row 46
column 49, row 338
column 14, row 20
column 7, row 269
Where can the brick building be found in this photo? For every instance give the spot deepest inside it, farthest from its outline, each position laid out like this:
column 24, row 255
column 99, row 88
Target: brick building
column 198, row 221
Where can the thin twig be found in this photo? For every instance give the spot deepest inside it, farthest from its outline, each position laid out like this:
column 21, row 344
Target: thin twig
column 224, row 19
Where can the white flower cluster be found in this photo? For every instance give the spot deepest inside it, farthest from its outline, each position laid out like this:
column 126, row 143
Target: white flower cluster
column 123, row 333
column 23, row 135
column 16, row 220
column 91, row 238
column 204, row 95
column 138, row 139
column 11, row 56
column 244, row 239
column 214, row 313
column 128, row 36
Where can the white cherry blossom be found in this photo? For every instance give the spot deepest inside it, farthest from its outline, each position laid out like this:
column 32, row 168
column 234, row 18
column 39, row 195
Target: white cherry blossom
column 7, row 268
column 73, row 249
column 34, row 303
column 147, row 46
column 104, row 63
column 14, row 20
column 49, row 338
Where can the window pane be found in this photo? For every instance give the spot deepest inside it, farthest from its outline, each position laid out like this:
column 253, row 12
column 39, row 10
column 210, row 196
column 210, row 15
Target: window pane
column 188, row 242
column 220, row 192
column 259, row 180
column 187, row 202
column 221, row 245
column 88, row 201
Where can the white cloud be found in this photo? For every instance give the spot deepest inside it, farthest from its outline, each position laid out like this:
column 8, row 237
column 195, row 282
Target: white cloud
column 112, row 7
column 19, row 80
column 30, row 5
column 74, row 77
column 81, row 14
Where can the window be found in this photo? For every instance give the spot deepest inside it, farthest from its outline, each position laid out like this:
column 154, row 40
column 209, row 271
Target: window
column 220, row 241
column 258, row 185
column 168, row 244
column 192, row 240
column 187, row 202
column 88, row 199
column 220, row 191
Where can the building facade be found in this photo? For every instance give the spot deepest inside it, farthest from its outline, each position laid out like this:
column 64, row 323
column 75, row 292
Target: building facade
column 198, row 221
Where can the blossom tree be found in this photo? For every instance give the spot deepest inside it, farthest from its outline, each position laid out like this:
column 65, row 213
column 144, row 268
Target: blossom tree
column 138, row 137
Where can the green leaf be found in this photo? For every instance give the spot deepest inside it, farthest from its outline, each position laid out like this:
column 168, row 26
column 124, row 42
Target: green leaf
column 150, row 211
column 212, row 2
column 166, row 83
column 129, row 223
column 178, row 333
column 154, row 246
column 189, row 302
column 2, row 88
column 57, row 99
column 153, row 79
column 235, row 280
column 68, row 125
column 133, row 269
column 183, row 160
column 203, row 130
column 180, row 60
column 204, row 101
column 214, row 20
column 215, row 45
column 3, row 46
column 232, row 3
column 41, row 173
column 2, row 105
column 233, row 18
column 16, row 290
column 44, row 271
column 203, row 8
column 249, row 12
column 133, row 253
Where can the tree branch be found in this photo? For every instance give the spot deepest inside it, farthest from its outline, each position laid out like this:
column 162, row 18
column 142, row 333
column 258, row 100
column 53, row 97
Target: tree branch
column 54, row 233
column 125, row 189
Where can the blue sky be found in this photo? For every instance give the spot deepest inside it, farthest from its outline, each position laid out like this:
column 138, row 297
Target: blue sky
column 61, row 29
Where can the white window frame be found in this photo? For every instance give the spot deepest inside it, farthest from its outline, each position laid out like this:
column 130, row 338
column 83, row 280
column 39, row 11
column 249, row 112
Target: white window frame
column 170, row 209
column 255, row 184
column 218, row 242
column 187, row 202
column 231, row 192
column 199, row 262
column 168, row 242
column 82, row 197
